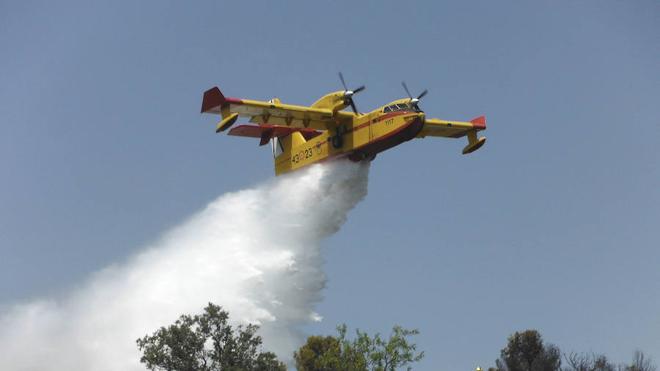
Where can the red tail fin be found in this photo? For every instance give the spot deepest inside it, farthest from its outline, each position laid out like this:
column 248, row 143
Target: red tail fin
column 479, row 123
column 213, row 98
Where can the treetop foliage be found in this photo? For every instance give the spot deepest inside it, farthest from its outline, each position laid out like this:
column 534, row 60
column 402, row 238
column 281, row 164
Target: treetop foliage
column 525, row 351
column 206, row 342
column 364, row 353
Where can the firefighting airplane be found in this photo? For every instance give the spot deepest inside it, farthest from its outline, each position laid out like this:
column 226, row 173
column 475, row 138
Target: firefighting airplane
column 302, row 135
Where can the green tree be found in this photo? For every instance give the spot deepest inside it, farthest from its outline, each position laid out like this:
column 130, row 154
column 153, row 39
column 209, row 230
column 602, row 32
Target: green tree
column 364, row 353
column 525, row 351
column 320, row 353
column 206, row 342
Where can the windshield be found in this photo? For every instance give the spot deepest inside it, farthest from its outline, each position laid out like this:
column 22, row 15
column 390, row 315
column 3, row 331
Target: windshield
column 401, row 107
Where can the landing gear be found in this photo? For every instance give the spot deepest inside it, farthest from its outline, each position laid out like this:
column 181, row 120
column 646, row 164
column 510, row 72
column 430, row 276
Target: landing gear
column 337, row 141
column 338, row 138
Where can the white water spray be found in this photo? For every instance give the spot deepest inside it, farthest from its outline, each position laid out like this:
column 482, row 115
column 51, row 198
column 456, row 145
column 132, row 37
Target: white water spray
column 255, row 252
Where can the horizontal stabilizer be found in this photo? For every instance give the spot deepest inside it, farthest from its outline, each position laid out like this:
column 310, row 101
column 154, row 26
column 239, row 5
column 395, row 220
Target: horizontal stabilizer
column 267, row 132
column 227, row 122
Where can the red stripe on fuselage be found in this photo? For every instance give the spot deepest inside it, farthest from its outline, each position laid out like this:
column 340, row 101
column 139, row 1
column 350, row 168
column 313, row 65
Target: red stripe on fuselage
column 390, row 115
column 378, row 119
column 406, row 132
column 402, row 134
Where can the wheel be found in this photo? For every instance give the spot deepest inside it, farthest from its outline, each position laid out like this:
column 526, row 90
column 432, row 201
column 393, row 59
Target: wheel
column 337, row 141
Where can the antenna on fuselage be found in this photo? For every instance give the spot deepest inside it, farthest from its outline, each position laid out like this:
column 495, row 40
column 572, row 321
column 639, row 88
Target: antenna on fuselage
column 414, row 101
column 348, row 94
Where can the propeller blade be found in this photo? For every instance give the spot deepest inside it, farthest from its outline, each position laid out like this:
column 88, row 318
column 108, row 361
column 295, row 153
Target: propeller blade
column 406, row 88
column 423, row 94
column 353, row 106
column 341, row 77
column 348, row 98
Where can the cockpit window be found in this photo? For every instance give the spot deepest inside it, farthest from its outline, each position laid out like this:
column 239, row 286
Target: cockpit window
column 400, row 107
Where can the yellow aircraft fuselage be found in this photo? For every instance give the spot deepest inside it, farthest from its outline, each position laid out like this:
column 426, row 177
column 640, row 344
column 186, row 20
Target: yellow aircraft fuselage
column 361, row 139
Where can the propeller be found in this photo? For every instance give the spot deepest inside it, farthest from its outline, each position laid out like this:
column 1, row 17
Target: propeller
column 414, row 101
column 348, row 94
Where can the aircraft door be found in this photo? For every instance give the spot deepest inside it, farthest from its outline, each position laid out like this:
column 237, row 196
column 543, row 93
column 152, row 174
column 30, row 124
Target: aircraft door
column 371, row 134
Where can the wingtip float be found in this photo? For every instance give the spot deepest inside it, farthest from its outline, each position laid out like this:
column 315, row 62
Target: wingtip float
column 303, row 135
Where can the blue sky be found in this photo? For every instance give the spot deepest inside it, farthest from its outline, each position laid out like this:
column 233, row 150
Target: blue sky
column 551, row 225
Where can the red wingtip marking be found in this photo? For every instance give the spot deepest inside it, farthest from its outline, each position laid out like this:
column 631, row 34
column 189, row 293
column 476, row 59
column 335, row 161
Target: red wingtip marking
column 479, row 122
column 233, row 100
column 212, row 98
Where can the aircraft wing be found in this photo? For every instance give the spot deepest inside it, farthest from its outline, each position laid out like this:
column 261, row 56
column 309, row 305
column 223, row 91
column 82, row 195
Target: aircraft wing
column 456, row 129
column 267, row 132
column 451, row 129
column 273, row 113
